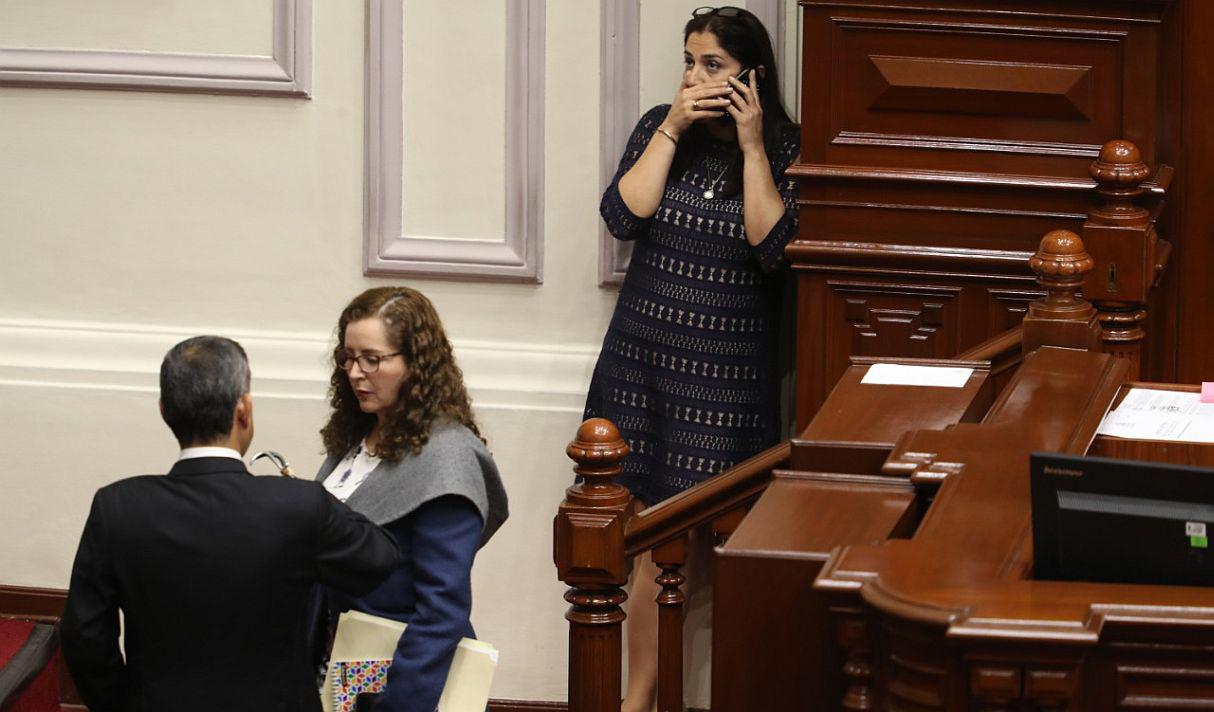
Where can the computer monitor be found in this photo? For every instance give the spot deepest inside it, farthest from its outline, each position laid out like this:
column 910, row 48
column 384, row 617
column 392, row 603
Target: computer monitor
column 1121, row 521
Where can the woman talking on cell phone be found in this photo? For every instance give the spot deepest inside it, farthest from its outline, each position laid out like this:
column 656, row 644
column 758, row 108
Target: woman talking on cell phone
column 688, row 368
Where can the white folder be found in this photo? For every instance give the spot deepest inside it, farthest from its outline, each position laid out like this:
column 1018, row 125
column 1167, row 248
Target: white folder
column 361, row 636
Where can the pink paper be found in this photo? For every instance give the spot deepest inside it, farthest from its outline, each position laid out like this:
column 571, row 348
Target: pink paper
column 1207, row 392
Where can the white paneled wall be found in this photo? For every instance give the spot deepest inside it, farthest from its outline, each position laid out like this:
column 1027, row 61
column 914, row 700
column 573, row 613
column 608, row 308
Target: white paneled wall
column 132, row 219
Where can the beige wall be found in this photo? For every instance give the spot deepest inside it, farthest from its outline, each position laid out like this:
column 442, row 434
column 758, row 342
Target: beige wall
column 130, row 220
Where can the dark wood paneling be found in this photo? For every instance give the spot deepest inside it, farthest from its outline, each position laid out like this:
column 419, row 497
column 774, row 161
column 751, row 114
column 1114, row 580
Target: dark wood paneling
column 1007, row 307
column 921, row 315
column 747, row 638
column 45, row 604
column 941, row 140
column 878, row 319
column 1030, row 89
column 1194, row 229
column 1184, row 685
column 769, row 626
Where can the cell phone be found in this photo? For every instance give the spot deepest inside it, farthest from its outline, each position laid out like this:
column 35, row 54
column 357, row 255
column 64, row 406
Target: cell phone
column 744, row 77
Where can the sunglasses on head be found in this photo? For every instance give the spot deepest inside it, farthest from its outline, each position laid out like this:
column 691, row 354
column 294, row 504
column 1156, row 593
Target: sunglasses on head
column 724, row 11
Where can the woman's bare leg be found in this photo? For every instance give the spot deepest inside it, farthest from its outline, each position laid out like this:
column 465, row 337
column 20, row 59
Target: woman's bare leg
column 642, row 623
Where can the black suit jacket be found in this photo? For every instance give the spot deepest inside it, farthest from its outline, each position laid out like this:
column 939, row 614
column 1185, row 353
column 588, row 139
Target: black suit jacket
column 213, row 570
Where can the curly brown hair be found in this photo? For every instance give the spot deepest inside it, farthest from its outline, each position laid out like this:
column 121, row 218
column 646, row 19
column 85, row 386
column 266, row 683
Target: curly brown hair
column 433, row 388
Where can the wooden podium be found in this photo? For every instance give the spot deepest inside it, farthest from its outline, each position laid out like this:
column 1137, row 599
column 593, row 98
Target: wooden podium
column 923, row 596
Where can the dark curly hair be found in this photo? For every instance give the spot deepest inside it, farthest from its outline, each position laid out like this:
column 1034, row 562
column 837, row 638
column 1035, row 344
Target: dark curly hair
column 433, row 388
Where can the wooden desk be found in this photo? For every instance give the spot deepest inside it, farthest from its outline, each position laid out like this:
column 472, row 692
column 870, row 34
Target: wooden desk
column 950, row 619
column 770, row 627
column 924, row 597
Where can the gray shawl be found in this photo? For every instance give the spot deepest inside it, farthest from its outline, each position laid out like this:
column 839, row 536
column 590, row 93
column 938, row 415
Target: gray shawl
column 453, row 461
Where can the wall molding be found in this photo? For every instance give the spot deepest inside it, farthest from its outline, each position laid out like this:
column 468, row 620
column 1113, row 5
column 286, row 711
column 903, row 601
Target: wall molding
column 387, row 250
column 619, row 99
column 619, row 102
column 287, row 72
column 286, row 365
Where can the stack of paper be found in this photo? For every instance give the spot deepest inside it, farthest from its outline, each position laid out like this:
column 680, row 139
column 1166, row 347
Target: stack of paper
column 1149, row 414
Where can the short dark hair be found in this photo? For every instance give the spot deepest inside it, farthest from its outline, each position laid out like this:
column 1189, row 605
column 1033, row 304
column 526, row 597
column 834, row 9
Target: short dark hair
column 201, row 379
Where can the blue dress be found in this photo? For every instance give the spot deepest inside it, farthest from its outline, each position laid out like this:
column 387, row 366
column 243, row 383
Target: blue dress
column 688, row 368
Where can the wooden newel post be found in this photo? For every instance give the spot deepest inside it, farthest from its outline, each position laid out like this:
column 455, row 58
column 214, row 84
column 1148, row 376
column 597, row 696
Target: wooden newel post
column 588, row 549
column 1121, row 237
column 1061, row 318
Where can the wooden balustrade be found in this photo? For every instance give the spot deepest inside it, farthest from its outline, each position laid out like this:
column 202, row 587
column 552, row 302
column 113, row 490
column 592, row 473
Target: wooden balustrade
column 593, row 538
column 1061, row 318
column 670, row 558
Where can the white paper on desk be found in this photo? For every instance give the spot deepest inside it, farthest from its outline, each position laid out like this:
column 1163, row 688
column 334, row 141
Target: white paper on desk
column 896, row 374
column 1150, row 414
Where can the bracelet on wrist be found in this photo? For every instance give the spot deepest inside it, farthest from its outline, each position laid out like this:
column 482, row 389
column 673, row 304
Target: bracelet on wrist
column 668, row 135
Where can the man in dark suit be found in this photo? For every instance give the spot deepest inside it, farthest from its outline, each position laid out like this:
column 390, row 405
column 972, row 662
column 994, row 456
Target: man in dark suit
column 212, row 568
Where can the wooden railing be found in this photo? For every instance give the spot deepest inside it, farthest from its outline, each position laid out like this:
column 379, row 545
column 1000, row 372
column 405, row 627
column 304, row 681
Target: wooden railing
column 596, row 533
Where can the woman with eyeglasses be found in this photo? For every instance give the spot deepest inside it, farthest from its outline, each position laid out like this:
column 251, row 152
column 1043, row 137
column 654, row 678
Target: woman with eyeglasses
column 404, row 450
column 688, row 369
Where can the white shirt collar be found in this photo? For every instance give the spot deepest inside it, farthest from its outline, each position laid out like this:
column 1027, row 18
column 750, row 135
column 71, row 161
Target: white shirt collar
column 190, row 453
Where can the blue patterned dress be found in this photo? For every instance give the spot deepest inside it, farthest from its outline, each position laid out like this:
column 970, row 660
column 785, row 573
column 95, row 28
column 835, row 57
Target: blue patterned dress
column 688, row 368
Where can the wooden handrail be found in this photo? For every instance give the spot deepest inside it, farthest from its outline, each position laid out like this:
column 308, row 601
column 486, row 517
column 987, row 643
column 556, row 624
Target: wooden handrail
column 704, row 502
column 997, row 348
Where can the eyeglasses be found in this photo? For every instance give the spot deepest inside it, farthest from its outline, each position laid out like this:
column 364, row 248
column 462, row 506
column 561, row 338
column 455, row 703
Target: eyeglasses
column 369, row 363
column 724, row 11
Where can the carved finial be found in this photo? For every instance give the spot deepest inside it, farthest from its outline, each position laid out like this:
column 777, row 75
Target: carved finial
column 1061, row 318
column 1119, row 172
column 598, row 451
column 1119, row 163
column 1061, row 265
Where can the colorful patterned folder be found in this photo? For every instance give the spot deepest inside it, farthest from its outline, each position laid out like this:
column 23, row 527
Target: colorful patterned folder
column 354, row 677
